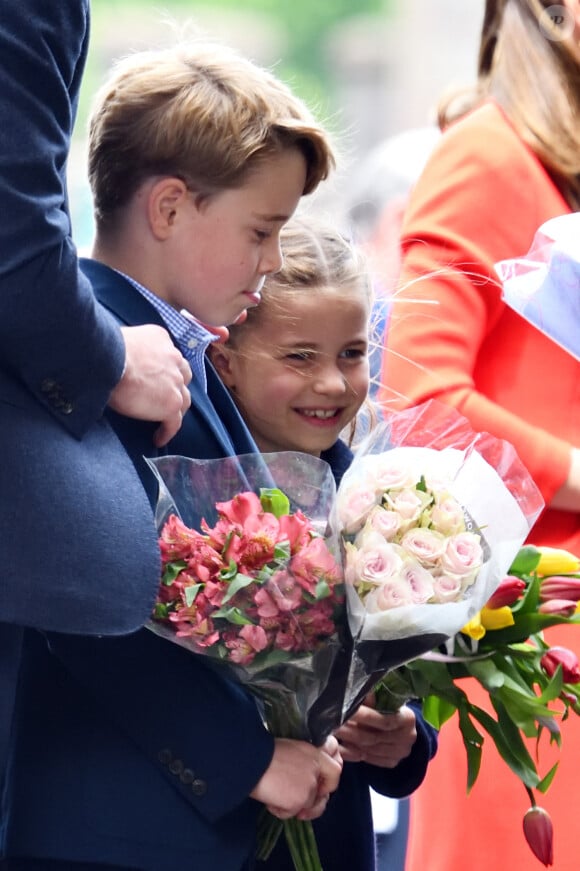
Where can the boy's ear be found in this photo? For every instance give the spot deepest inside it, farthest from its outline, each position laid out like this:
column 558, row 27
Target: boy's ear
column 220, row 356
column 165, row 199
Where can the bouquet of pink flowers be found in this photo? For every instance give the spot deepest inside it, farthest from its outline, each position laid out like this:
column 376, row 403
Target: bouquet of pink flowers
column 431, row 515
column 252, row 581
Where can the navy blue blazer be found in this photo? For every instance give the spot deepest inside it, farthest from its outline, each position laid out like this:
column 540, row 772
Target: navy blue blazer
column 131, row 750
column 345, row 833
column 61, row 353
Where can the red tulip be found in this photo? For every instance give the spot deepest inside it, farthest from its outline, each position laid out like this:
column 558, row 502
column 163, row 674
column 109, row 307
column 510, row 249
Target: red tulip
column 507, row 593
column 556, row 656
column 560, row 587
column 539, row 834
column 562, row 607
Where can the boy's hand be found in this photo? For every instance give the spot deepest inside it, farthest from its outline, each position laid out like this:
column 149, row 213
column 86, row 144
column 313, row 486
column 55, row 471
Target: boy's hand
column 300, row 778
column 154, row 383
column 379, row 739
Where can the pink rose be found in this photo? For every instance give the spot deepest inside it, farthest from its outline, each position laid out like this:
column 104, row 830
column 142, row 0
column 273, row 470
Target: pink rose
column 389, row 473
column 447, row 516
column 463, row 554
column 354, row 506
column 408, row 503
column 392, row 594
column 424, row 545
column 419, row 581
column 374, row 561
column 384, row 521
column 448, row 588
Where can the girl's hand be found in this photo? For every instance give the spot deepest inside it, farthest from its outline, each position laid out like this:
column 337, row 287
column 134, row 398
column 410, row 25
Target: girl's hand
column 379, row 739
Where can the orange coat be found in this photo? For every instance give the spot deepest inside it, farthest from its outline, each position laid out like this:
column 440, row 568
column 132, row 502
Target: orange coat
column 481, row 198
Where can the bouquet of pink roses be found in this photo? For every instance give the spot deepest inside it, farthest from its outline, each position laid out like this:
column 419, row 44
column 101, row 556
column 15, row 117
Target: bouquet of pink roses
column 431, row 515
column 252, row 581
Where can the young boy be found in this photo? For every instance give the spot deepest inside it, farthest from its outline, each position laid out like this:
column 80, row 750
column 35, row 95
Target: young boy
column 131, row 752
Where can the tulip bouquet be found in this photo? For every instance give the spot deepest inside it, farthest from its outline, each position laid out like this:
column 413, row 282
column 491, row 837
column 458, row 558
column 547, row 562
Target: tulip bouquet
column 253, row 581
column 431, row 515
column 532, row 686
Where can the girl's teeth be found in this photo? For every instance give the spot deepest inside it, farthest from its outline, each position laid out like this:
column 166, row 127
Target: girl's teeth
column 320, row 413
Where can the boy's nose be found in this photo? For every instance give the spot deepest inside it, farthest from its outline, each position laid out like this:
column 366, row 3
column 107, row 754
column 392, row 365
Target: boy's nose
column 272, row 259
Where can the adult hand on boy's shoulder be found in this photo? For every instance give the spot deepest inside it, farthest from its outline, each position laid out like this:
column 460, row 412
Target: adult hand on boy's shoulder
column 154, row 383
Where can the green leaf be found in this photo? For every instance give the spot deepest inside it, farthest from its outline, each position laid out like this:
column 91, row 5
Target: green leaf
column 509, row 743
column 239, row 583
column 437, row 710
column 274, row 501
column 525, row 561
column 473, row 742
column 191, row 593
column 232, row 615
column 282, row 551
column 229, row 573
column 322, row 590
column 171, row 571
column 546, row 781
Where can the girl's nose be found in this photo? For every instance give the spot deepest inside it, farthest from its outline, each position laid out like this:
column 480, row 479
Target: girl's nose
column 330, row 380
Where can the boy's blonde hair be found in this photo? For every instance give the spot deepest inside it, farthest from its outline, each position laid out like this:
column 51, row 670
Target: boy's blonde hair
column 198, row 111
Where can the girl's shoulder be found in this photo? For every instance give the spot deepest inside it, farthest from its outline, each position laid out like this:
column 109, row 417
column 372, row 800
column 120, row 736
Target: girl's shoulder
column 339, row 457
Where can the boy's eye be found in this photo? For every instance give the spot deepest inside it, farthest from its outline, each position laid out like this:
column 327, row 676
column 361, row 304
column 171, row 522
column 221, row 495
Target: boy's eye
column 262, row 235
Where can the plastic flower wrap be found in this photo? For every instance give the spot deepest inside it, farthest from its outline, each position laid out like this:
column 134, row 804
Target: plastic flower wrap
column 532, row 686
column 252, row 578
column 431, row 515
column 542, row 285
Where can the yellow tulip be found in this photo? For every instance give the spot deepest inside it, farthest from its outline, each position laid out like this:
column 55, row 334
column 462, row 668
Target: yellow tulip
column 497, row 618
column 556, row 561
column 474, row 628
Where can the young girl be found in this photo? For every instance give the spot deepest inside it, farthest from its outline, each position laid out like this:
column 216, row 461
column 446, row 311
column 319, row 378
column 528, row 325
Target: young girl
column 298, row 371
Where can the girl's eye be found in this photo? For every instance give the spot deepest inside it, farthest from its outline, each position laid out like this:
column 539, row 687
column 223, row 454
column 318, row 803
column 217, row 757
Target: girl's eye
column 354, row 353
column 299, row 355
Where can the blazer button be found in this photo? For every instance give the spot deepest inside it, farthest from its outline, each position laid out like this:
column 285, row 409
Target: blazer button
column 48, row 385
column 165, row 756
column 176, row 766
column 199, row 787
column 187, row 776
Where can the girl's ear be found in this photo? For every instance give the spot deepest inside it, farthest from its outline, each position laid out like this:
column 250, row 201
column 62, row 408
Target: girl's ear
column 221, row 357
column 166, row 198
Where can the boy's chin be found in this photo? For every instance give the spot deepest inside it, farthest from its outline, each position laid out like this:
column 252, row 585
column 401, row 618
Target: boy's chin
column 240, row 318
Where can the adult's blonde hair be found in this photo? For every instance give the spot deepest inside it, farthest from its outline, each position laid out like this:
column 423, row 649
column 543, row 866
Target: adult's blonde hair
column 530, row 64
column 198, row 111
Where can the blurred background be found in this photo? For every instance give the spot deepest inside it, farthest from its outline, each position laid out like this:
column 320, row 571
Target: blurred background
column 369, row 70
